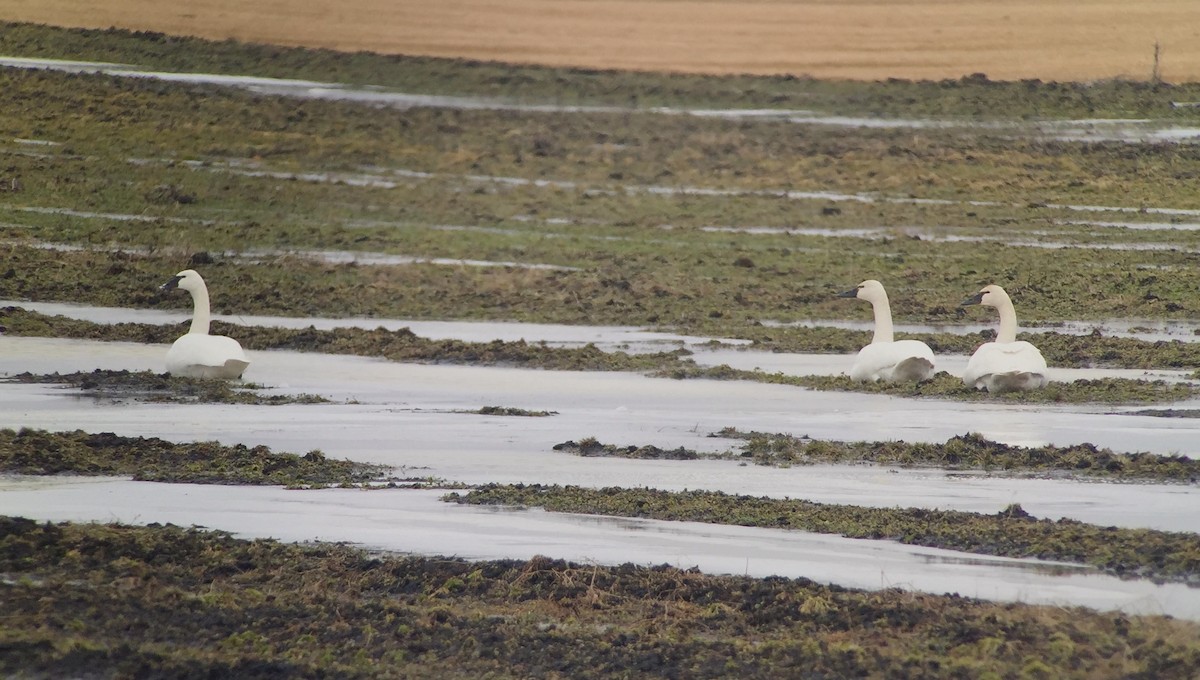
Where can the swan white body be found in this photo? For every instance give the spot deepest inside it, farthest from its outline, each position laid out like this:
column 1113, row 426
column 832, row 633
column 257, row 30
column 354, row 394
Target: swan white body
column 198, row 354
column 1005, row 364
column 885, row 358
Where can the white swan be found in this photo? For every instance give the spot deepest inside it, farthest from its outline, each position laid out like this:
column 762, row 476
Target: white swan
column 885, row 358
column 198, row 354
column 1006, row 364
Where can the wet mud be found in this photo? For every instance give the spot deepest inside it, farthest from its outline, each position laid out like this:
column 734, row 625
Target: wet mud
column 38, row 452
column 164, row 600
column 589, row 446
column 943, row 385
column 115, row 386
column 513, row 411
column 969, row 452
column 1168, row 412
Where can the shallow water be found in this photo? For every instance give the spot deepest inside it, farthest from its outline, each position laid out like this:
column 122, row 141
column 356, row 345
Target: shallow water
column 924, row 234
column 1149, row 226
column 417, row 522
column 611, row 338
column 1144, row 329
column 405, row 415
column 86, row 214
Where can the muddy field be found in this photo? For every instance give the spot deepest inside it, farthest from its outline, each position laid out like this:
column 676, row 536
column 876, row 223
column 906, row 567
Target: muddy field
column 446, row 272
column 1008, row 40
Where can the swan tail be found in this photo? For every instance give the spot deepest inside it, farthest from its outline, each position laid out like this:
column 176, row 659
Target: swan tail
column 1014, row 381
column 913, row 369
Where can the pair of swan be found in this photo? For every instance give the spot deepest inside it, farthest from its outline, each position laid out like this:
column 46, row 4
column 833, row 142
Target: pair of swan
column 1002, row 365
column 198, row 354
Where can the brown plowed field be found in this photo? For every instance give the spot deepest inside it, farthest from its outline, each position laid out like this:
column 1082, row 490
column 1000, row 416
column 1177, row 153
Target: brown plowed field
column 861, row 39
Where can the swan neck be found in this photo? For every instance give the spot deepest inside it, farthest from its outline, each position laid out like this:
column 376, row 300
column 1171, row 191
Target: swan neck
column 1008, row 323
column 883, row 321
column 200, row 314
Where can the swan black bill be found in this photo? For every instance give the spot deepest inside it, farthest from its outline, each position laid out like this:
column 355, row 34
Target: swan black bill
column 976, row 299
column 853, row 292
column 172, row 284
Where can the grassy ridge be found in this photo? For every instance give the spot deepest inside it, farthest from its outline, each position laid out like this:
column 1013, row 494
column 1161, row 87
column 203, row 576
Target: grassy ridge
column 38, row 452
column 189, row 603
column 146, row 386
column 962, row 452
column 1161, row 555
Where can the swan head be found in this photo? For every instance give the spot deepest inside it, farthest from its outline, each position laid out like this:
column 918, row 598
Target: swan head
column 869, row 290
column 989, row 296
column 188, row 279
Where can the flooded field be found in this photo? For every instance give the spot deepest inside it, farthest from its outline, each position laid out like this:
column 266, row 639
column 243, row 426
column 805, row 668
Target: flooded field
column 400, row 415
column 647, row 274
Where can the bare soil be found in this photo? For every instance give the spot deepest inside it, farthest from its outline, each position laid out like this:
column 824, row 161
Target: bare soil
column 856, row 39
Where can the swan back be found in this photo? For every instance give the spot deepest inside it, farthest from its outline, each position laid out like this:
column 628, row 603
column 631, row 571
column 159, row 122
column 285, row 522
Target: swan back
column 197, row 355
column 896, row 361
column 1007, row 366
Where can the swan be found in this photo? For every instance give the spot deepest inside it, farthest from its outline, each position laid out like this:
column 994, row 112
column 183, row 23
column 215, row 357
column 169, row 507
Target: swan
column 1006, row 364
column 198, row 354
column 885, row 358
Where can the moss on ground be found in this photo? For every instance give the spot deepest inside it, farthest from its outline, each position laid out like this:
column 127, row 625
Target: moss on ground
column 513, row 411
column 1129, row 553
column 115, row 601
column 945, row 386
column 123, row 385
column 38, row 452
column 969, row 452
column 590, row 447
